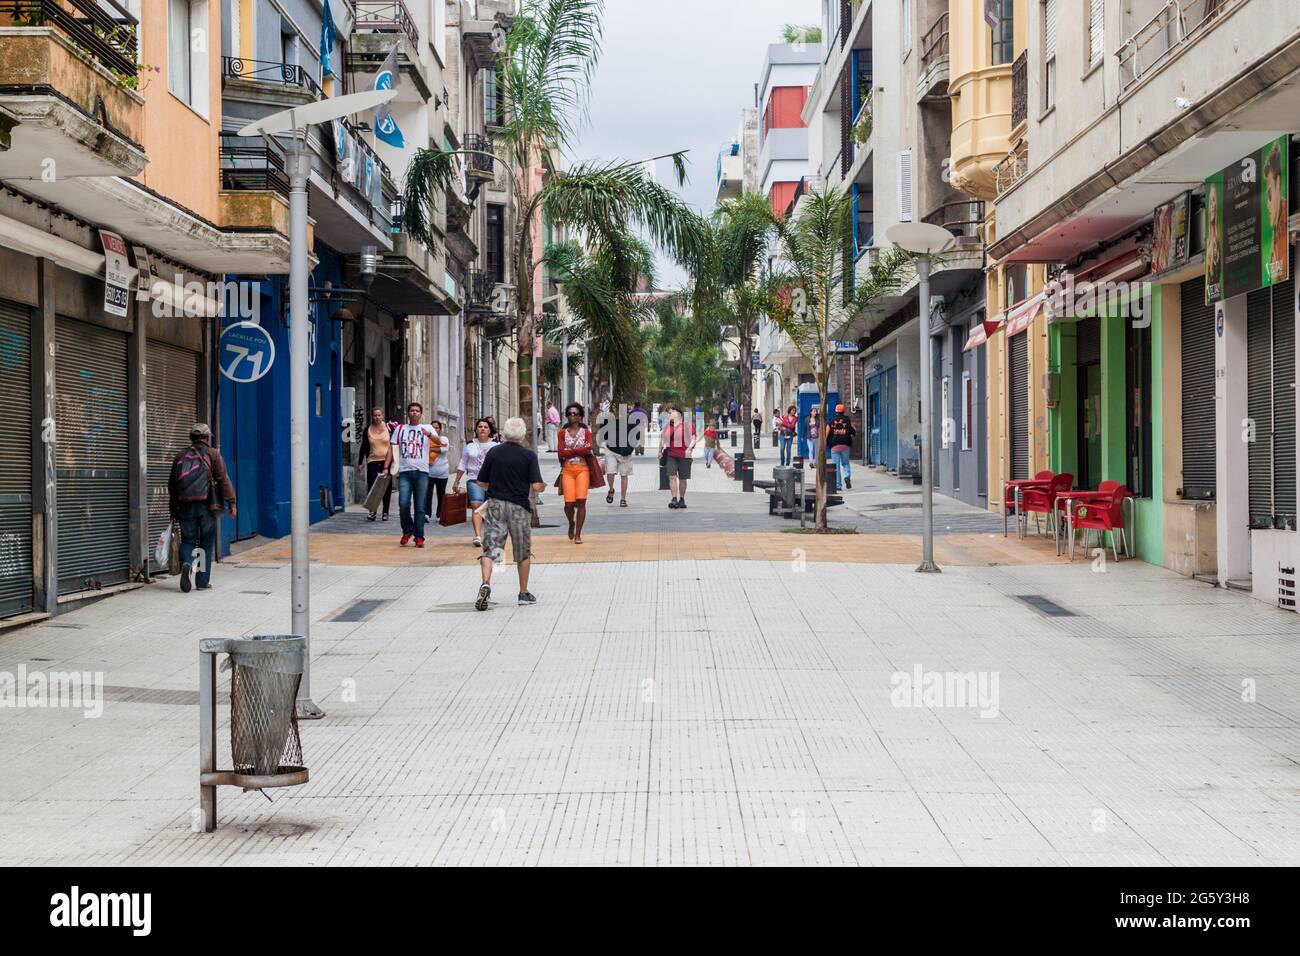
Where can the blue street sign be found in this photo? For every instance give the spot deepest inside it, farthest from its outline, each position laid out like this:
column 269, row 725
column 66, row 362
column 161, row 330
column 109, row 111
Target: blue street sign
column 247, row 352
column 845, row 348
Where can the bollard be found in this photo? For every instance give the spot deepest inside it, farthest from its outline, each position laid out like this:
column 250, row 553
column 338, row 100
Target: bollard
column 733, row 438
column 663, row 473
column 758, row 439
column 739, row 459
column 747, row 475
column 832, row 477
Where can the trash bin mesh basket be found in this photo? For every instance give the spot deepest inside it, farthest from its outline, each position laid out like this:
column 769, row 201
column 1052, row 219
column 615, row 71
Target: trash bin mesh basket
column 263, row 720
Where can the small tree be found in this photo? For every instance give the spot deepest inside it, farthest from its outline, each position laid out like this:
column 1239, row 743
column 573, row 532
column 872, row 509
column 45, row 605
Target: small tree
column 827, row 294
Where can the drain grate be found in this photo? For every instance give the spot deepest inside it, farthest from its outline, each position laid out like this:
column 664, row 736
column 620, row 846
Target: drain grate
column 359, row 610
column 151, row 695
column 1043, row 605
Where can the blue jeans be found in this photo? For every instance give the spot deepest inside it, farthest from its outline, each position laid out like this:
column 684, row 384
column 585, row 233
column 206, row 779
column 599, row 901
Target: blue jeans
column 708, row 456
column 841, row 459
column 198, row 533
column 413, row 485
column 787, row 448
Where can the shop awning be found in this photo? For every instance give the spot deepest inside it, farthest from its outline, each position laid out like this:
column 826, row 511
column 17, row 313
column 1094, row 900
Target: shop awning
column 980, row 332
column 1022, row 316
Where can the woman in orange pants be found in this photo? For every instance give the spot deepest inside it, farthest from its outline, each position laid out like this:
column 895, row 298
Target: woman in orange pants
column 575, row 445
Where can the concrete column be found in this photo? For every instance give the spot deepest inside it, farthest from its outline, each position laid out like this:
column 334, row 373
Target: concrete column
column 1232, row 477
column 137, row 444
column 45, row 530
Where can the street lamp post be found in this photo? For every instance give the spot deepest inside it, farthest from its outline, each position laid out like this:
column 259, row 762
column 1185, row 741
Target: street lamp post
column 924, row 240
column 295, row 122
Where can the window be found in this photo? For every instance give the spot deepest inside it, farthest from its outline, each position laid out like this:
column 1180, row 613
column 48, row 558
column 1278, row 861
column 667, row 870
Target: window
column 1096, row 31
column 496, row 242
column 905, row 186
column 785, row 108
column 187, row 53
column 494, row 104
column 1138, row 394
column 967, row 412
column 1049, row 53
column 1004, row 33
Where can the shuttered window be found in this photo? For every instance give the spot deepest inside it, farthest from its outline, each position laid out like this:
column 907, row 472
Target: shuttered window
column 905, row 186
column 1096, row 31
column 1198, row 392
column 1049, row 53
column 16, row 455
column 1018, row 413
column 1271, row 404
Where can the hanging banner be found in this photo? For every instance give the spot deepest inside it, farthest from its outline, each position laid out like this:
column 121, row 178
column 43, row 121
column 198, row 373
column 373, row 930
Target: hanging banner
column 144, row 272
column 117, row 274
column 1246, row 223
column 991, row 13
column 1169, row 233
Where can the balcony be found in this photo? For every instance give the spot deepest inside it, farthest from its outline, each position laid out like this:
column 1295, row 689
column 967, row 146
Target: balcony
column 270, row 71
column 68, row 77
column 963, row 218
column 1176, row 24
column 730, row 172
column 386, row 16
column 477, row 165
column 1012, row 167
column 933, row 81
column 1020, row 90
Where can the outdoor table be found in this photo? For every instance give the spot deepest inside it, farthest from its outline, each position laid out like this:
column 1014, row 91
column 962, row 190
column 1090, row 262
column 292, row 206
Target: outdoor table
column 1018, row 486
column 1070, row 497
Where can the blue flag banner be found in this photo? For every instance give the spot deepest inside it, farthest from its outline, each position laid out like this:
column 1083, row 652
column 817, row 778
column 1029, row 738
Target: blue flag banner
column 388, row 78
column 327, row 33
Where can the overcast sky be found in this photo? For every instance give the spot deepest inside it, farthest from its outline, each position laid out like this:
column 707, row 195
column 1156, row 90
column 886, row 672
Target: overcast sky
column 675, row 74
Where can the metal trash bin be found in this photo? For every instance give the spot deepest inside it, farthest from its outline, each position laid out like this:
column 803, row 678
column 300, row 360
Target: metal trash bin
column 265, row 748
column 786, row 488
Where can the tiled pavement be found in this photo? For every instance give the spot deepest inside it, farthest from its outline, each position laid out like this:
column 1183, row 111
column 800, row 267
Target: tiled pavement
column 720, row 712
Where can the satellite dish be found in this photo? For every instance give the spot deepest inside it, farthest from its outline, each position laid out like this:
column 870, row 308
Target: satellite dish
column 322, row 111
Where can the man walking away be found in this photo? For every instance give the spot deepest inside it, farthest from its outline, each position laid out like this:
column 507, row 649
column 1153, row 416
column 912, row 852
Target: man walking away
column 412, row 443
column 198, row 490
column 616, row 434
column 839, row 438
column 509, row 472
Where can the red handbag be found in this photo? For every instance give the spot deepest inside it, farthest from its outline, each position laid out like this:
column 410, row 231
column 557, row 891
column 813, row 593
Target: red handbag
column 595, row 471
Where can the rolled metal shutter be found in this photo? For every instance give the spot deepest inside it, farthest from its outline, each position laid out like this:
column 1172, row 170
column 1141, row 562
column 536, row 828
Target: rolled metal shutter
column 1259, row 405
column 1284, row 399
column 1087, row 342
column 171, row 407
column 92, row 427
column 1199, row 472
column 16, row 455
column 1018, row 396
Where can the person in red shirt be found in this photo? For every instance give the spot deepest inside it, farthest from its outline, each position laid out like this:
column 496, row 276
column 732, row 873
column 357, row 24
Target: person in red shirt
column 575, row 446
column 677, row 441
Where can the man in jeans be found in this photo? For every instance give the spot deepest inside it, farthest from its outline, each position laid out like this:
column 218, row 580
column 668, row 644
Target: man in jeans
column 411, row 442
column 198, row 490
column 839, row 439
column 510, row 471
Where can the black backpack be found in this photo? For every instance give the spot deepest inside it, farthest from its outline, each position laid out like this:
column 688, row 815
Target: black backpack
column 192, row 473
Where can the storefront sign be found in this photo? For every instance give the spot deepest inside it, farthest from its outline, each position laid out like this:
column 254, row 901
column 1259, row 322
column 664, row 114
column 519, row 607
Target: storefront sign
column 1169, row 238
column 1246, row 223
column 117, row 274
column 247, row 352
column 845, row 348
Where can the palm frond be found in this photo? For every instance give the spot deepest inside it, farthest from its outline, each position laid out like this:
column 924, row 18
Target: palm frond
column 430, row 171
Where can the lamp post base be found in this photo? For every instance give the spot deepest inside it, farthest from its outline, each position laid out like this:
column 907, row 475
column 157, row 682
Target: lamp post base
column 306, row 709
column 928, row 567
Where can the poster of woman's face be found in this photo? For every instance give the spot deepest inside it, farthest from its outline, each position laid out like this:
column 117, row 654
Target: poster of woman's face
column 1275, row 252
column 1213, row 244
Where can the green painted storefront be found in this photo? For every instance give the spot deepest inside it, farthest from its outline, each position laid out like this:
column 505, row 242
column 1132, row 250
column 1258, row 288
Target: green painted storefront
column 1095, row 401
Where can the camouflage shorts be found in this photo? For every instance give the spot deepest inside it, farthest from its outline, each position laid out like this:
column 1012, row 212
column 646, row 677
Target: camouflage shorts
column 502, row 518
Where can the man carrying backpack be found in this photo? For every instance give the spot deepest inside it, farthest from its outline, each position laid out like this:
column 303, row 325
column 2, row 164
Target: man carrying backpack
column 198, row 490
column 839, row 439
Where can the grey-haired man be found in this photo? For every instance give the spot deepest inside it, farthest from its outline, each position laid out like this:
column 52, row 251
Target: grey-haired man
column 508, row 473
column 198, row 490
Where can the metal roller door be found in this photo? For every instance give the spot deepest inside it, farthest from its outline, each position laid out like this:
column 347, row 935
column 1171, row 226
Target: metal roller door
column 1018, row 397
column 93, row 456
column 16, row 454
column 1271, row 404
column 171, row 407
column 1198, row 391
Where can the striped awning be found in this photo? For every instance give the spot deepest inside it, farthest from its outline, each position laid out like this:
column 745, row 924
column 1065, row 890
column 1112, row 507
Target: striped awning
column 1022, row 315
column 980, row 332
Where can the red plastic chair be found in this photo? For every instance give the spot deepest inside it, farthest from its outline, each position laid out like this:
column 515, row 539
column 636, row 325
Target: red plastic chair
column 1042, row 499
column 1009, row 496
column 1102, row 512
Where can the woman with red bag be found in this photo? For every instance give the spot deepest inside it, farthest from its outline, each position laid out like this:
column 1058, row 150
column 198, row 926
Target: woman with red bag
column 576, row 446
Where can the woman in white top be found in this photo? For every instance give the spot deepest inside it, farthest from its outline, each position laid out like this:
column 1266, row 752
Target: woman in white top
column 471, row 460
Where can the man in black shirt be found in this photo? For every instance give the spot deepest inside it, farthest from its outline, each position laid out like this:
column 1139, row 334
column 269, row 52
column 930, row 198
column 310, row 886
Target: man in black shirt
column 510, row 471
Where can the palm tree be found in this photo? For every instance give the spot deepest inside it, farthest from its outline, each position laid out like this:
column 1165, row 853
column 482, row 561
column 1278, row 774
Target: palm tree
column 544, row 73
column 827, row 294
column 735, row 287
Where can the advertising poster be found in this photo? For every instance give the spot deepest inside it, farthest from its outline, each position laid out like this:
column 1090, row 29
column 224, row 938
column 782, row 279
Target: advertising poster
column 117, row 273
column 1169, row 239
column 1246, row 208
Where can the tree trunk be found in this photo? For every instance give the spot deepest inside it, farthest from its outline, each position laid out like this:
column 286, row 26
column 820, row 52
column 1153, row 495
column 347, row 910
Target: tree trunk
column 524, row 267
column 822, row 422
column 746, row 392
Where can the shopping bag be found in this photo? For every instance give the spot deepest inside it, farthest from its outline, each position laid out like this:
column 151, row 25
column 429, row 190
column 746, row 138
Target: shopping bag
column 162, row 549
column 454, row 504
column 375, row 497
column 174, row 555
column 595, row 471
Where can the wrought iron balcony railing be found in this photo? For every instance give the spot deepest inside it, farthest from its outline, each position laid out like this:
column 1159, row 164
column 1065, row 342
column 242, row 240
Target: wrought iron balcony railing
column 962, row 218
column 248, row 162
column 269, row 71
column 479, row 287
column 1020, row 89
column 1176, row 23
column 477, row 165
column 102, row 28
column 934, row 44
column 386, row 16
column 1012, row 167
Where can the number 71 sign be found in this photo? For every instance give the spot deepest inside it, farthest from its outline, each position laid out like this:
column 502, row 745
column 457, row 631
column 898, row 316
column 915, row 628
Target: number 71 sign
column 247, row 352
